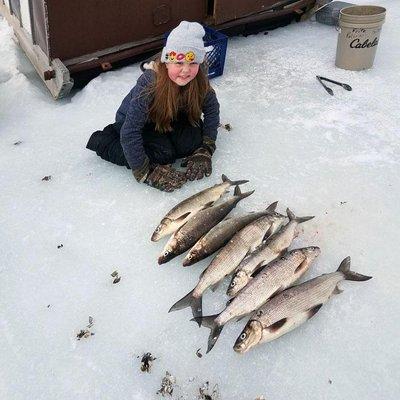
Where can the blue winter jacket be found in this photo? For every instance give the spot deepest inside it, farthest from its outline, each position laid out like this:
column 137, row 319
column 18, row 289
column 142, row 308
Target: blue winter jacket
column 133, row 114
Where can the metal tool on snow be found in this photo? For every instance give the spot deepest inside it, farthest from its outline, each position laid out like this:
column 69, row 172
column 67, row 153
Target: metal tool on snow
column 328, row 89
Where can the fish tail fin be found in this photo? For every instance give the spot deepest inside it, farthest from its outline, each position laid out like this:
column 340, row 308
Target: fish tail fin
column 299, row 220
column 216, row 329
column 241, row 195
column 232, row 183
column 272, row 207
column 247, row 194
column 237, row 191
column 344, row 268
column 195, row 303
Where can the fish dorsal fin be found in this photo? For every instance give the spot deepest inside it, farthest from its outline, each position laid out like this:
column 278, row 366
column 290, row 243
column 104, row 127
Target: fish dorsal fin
column 225, row 178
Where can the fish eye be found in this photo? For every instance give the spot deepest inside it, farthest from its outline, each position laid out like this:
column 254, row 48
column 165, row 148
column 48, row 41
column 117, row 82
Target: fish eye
column 158, row 229
column 243, row 336
column 233, row 283
column 259, row 313
column 166, row 254
column 189, row 256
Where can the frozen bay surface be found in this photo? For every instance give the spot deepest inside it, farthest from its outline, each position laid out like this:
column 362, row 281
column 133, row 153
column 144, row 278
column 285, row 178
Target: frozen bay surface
column 333, row 157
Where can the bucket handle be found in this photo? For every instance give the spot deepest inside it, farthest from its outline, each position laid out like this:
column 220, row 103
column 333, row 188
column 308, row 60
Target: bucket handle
column 313, row 17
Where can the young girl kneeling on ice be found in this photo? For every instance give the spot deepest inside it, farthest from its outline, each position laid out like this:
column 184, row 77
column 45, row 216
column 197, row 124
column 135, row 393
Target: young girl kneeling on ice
column 160, row 121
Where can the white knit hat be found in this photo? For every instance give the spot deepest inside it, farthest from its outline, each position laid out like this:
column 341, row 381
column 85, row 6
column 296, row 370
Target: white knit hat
column 185, row 44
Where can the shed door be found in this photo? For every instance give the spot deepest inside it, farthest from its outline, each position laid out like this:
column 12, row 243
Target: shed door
column 228, row 10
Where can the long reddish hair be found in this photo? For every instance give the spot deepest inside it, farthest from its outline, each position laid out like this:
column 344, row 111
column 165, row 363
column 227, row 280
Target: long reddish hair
column 170, row 98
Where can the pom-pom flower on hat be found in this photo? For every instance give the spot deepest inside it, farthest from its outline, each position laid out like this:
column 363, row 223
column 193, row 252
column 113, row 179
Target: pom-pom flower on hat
column 185, row 44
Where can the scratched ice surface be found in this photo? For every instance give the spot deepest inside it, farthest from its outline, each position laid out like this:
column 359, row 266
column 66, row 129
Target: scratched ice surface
column 333, row 157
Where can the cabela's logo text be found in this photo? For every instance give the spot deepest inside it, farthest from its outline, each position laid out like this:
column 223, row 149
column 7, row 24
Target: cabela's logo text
column 356, row 44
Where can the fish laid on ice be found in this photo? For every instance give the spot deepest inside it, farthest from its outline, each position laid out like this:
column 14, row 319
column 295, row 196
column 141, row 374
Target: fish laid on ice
column 181, row 213
column 293, row 307
column 272, row 279
column 198, row 225
column 229, row 257
column 271, row 249
column 220, row 235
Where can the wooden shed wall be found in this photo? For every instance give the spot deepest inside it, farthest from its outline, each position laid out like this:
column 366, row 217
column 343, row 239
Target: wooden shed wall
column 82, row 27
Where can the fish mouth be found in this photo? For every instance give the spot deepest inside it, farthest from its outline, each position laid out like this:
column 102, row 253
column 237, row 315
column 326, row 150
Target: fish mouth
column 161, row 260
column 253, row 332
column 231, row 292
column 316, row 251
column 155, row 237
column 187, row 262
column 160, row 231
column 240, row 348
column 240, row 280
column 164, row 259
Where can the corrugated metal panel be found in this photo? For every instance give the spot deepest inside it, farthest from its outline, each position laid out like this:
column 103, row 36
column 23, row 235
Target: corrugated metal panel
column 228, row 10
column 101, row 24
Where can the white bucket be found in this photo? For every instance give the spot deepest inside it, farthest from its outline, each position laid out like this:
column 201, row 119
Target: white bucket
column 359, row 31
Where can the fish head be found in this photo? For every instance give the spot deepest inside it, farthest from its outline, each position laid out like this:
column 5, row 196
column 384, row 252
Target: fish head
column 164, row 228
column 167, row 254
column 311, row 253
column 238, row 282
column 250, row 336
column 192, row 257
column 308, row 255
column 276, row 220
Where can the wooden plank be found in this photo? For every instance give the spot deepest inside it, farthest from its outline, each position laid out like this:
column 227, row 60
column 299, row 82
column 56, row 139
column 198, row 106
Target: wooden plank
column 61, row 84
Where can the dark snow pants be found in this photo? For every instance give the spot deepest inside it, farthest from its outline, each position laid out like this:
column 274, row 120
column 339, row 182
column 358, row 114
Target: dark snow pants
column 161, row 148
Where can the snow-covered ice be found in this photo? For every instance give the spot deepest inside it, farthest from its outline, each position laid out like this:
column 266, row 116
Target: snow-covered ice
column 333, row 157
